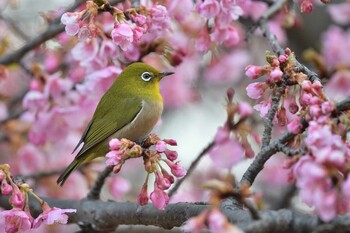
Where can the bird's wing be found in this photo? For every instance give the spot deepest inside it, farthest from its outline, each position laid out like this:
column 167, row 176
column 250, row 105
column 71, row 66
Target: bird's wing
column 104, row 123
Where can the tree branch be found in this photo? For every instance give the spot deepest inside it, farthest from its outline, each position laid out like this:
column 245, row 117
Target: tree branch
column 95, row 192
column 268, row 123
column 98, row 216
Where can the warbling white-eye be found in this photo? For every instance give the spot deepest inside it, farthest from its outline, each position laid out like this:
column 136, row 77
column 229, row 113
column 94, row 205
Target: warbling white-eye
column 129, row 109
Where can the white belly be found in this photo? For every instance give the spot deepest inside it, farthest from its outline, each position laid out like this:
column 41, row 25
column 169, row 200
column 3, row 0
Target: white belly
column 143, row 123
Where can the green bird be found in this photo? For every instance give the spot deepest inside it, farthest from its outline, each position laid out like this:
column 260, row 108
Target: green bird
column 129, row 109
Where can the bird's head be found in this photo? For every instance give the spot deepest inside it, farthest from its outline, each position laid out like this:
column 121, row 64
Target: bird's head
column 141, row 78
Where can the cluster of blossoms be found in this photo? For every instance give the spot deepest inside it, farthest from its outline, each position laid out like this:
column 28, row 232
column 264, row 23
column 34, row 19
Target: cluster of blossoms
column 19, row 219
column 122, row 150
column 306, row 6
column 274, row 72
column 321, row 173
column 222, row 13
column 125, row 33
column 231, row 142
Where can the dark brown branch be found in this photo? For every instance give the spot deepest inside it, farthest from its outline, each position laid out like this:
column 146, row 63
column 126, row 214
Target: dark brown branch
column 268, row 123
column 95, row 192
column 191, row 168
column 98, row 216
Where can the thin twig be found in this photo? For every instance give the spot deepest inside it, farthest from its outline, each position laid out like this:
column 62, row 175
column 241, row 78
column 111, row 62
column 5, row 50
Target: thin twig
column 95, row 192
column 289, row 151
column 191, row 168
column 268, row 123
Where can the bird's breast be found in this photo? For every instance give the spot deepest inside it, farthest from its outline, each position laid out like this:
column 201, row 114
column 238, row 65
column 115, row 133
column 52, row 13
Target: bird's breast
column 143, row 123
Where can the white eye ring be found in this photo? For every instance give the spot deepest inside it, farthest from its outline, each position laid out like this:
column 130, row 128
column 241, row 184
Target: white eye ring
column 146, row 76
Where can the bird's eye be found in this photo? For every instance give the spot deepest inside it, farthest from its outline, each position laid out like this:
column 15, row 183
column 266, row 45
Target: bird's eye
column 146, row 76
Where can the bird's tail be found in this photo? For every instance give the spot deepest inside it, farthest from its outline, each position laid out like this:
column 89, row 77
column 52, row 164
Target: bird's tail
column 63, row 177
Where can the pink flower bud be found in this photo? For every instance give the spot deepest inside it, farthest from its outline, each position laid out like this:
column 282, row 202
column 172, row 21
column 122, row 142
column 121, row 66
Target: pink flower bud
column 139, row 20
column 17, row 198
column 5, row 188
column 159, row 198
column 276, row 75
column 176, row 169
column 295, row 126
column 71, row 21
column 142, row 199
column 171, row 142
column 122, row 35
column 208, row 8
column 168, row 176
column 293, row 108
column 256, row 90
column 160, row 146
column 138, row 32
column 171, row 154
column 162, row 182
column 306, row 6
column 114, row 144
column 327, row 107
column 283, row 58
column 306, row 85
column 282, row 116
column 113, row 157
column 255, row 72
column 315, row 110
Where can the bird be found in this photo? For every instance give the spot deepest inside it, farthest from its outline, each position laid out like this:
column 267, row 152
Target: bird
column 129, row 109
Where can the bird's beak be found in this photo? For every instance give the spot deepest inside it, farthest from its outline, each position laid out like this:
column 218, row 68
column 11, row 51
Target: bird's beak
column 163, row 74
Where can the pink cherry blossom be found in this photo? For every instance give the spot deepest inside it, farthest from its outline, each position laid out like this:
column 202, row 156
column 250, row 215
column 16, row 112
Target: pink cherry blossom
column 295, row 126
column 263, row 107
column 160, row 146
column 208, row 8
column 52, row 215
column 113, row 157
column 255, row 72
column 17, row 198
column 256, row 90
column 159, row 198
column 159, row 18
column 71, row 20
column 114, row 144
column 123, row 35
column 340, row 12
column 15, row 220
column 338, row 87
column 6, row 188
column 276, row 75
column 306, row 6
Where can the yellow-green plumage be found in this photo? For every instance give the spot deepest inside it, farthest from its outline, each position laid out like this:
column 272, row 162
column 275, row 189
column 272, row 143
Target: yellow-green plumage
column 129, row 109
